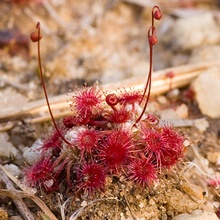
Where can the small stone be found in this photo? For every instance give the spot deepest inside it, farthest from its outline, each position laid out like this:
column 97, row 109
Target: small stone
column 13, row 169
column 186, row 143
column 6, row 147
column 123, row 186
column 151, row 202
column 84, row 203
column 162, row 99
column 33, row 154
column 180, row 112
column 141, row 205
column 122, row 217
column 207, row 88
column 138, row 196
column 216, row 204
column 201, row 124
column 197, row 215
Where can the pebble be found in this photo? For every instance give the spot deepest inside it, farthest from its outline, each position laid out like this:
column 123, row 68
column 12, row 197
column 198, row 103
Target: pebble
column 33, row 154
column 216, row 204
column 207, row 88
column 173, row 94
column 201, row 124
column 6, row 148
column 162, row 100
column 138, row 196
column 141, row 205
column 13, row 169
column 197, row 215
column 84, row 203
column 181, row 112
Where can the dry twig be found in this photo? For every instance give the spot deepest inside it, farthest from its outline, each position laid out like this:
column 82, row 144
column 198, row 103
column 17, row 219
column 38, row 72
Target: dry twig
column 19, row 203
column 36, row 111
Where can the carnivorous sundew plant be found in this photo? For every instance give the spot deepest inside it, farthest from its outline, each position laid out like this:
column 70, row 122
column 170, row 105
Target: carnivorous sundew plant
column 106, row 134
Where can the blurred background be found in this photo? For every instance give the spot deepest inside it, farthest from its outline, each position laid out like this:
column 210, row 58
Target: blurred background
column 104, row 40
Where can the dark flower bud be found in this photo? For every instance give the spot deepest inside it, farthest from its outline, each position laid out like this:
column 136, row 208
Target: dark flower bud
column 35, row 37
column 157, row 15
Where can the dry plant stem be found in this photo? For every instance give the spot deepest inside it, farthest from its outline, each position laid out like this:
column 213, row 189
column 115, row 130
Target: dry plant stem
column 169, row 5
column 63, row 207
column 17, row 194
column 199, row 157
column 19, row 203
column 17, row 182
column 160, row 84
column 129, row 207
column 143, row 3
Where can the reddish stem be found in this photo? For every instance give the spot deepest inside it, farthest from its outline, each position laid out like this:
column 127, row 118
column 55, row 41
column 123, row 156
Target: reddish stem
column 147, row 88
column 44, row 87
column 152, row 40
